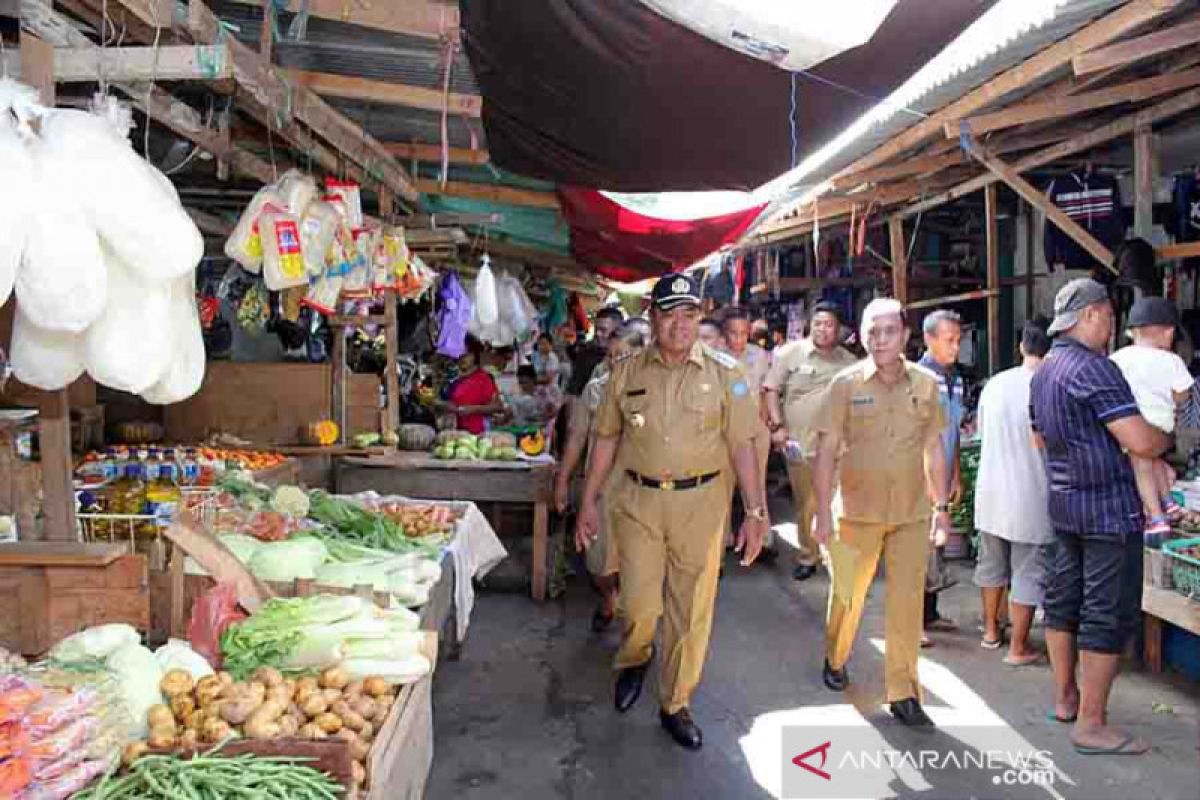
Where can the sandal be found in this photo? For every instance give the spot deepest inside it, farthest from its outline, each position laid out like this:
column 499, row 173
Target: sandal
column 1119, row 749
column 1052, row 716
column 991, row 645
column 1028, row 661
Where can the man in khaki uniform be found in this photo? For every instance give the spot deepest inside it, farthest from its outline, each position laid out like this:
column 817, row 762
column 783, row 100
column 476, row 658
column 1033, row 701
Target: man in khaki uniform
column 880, row 430
column 794, row 385
column 676, row 416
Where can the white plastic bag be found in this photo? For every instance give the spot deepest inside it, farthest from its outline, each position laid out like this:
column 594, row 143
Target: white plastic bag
column 185, row 373
column 61, row 284
column 17, row 169
column 49, row 360
column 297, row 191
column 129, row 346
column 485, row 295
column 244, row 245
column 317, row 228
column 125, row 201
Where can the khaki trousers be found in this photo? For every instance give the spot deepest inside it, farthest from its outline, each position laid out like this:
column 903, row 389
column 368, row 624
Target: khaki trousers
column 804, row 502
column 854, row 555
column 669, row 543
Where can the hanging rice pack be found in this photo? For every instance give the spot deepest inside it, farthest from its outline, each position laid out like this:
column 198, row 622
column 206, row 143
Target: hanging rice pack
column 185, row 372
column 347, row 196
column 141, row 222
column 244, row 245
column 49, row 360
column 61, row 283
column 323, row 293
column 297, row 190
column 318, row 226
column 129, row 346
column 283, row 260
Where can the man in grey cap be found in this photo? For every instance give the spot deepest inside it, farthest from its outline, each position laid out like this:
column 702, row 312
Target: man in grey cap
column 1086, row 418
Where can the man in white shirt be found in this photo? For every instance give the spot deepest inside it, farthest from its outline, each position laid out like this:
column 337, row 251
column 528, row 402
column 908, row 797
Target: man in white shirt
column 1012, row 504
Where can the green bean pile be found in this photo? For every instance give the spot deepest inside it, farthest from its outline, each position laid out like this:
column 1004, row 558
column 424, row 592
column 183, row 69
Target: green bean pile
column 209, row 777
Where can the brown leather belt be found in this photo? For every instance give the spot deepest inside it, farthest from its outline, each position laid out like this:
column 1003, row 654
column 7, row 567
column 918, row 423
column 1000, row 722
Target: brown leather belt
column 671, row 485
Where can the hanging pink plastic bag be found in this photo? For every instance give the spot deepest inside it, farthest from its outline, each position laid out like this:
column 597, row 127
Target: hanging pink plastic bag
column 212, row 613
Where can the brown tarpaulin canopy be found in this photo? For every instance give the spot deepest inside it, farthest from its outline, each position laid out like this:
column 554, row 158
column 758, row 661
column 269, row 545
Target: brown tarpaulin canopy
column 612, row 95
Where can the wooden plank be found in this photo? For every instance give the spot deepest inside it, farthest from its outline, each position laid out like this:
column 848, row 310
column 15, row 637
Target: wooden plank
column 266, row 32
column 1131, row 50
column 433, row 153
column 1144, row 170
column 1104, row 30
column 1053, row 213
column 428, row 19
column 37, row 66
column 155, row 13
column 388, row 93
column 1185, row 101
column 168, row 63
column 59, row 554
column 490, row 193
column 391, row 378
column 899, row 253
column 981, row 294
column 902, row 169
column 1182, row 250
column 337, row 383
column 1170, row 606
column 992, row 244
column 1132, row 92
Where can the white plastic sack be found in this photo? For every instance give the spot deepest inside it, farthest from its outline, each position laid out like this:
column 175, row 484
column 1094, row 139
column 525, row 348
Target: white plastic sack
column 129, row 346
column 49, row 360
column 485, row 295
column 185, row 372
column 143, row 224
column 17, row 169
column 61, row 284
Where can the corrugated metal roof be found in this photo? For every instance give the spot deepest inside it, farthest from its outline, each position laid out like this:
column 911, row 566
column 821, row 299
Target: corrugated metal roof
column 1007, row 34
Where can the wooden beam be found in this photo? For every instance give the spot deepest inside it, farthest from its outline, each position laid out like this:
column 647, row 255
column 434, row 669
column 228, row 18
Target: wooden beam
column 428, row 19
column 1183, row 250
column 347, row 137
column 1131, row 50
column 903, row 169
column 168, row 63
column 1053, row 213
column 899, row 253
column 391, row 377
column 266, row 32
column 490, row 193
column 387, row 93
column 992, row 245
column 1144, row 170
column 1185, row 101
column 980, row 294
column 532, row 255
column 36, row 58
column 155, row 13
column 1131, row 92
column 433, row 152
column 1104, row 30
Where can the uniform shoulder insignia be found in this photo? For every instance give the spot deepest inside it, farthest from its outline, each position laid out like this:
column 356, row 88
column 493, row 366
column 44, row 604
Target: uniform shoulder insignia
column 724, row 359
column 624, row 358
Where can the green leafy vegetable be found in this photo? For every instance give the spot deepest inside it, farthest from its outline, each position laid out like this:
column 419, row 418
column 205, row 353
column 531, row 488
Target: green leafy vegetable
column 355, row 524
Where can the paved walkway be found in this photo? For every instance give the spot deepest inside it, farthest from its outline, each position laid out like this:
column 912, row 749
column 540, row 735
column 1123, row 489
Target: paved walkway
column 527, row 712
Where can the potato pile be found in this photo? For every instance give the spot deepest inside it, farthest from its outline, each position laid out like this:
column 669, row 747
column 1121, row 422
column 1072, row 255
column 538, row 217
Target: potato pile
column 268, row 706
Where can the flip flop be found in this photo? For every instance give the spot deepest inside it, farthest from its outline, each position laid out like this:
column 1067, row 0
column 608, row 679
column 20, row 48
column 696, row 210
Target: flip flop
column 992, row 645
column 1036, row 658
column 1053, row 717
column 1118, row 750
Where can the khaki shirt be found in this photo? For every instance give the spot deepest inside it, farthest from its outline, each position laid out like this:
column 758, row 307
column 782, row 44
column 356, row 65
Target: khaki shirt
column 755, row 363
column 677, row 421
column 881, row 433
column 800, row 373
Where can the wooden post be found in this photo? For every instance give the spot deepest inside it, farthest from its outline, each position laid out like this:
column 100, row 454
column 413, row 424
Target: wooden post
column 54, row 413
column 337, row 366
column 392, row 380
column 1143, row 181
column 899, row 259
column 266, row 34
column 1029, row 262
column 992, row 232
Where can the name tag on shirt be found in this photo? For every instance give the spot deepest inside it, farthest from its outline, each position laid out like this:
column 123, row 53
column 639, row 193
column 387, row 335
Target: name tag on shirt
column 807, row 369
column 866, row 400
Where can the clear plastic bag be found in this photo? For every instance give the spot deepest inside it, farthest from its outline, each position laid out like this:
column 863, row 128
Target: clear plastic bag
column 297, row 190
column 283, row 259
column 318, row 226
column 348, row 197
column 244, row 245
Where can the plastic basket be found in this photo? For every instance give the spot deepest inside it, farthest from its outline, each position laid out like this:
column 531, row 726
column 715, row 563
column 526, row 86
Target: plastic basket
column 1185, row 568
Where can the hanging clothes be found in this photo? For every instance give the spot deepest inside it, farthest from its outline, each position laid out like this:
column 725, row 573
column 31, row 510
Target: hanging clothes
column 579, row 313
column 1093, row 201
column 555, row 313
column 1184, row 220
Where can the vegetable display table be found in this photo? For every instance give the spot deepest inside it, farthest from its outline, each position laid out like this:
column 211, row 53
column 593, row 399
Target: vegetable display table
column 419, row 475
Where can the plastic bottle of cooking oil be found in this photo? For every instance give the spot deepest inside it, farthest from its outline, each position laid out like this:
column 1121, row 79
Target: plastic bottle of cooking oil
column 163, row 494
column 125, row 496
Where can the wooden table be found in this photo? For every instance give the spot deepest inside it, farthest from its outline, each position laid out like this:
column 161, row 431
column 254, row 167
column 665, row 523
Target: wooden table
column 1159, row 605
column 419, row 475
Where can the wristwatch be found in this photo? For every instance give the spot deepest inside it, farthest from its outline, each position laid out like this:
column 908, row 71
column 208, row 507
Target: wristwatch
column 941, row 508
column 758, row 513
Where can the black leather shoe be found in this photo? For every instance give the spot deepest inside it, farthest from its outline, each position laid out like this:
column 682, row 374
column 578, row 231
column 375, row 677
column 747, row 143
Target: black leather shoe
column 601, row 620
column 682, row 728
column 910, row 713
column 803, row 572
column 629, row 686
column 835, row 679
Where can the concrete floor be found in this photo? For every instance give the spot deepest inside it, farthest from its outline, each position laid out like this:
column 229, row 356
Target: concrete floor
column 526, row 713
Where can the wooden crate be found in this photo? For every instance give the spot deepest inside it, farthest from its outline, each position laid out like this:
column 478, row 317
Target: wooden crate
column 402, row 753
column 52, row 590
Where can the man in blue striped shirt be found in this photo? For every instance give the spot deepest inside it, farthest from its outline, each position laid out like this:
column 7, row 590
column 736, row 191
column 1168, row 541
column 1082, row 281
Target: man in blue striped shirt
column 1084, row 413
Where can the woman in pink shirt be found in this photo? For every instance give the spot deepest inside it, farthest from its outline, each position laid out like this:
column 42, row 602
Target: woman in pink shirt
column 474, row 397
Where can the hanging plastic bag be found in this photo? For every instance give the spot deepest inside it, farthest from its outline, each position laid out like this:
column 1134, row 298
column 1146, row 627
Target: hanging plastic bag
column 185, row 373
column 49, row 360
column 283, row 261
column 129, row 346
column 61, row 284
column 123, row 197
column 18, row 170
column 348, row 197
column 297, row 190
column 486, row 307
column 317, row 229
column 244, row 245
column 455, row 317
column 212, row 613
